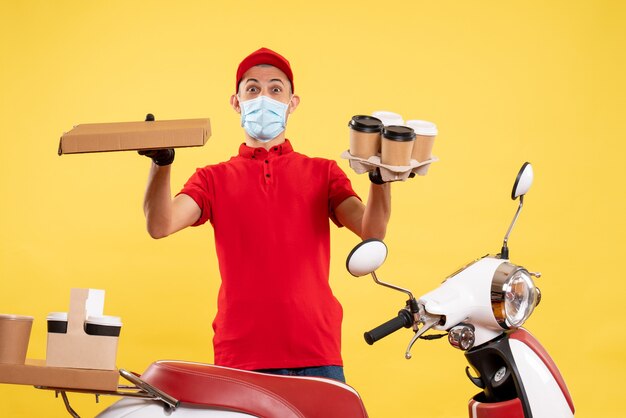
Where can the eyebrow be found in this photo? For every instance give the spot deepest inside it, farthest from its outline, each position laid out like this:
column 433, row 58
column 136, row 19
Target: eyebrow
column 257, row 81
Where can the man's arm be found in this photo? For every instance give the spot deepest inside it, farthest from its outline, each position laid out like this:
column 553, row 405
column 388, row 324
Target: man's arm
column 165, row 215
column 370, row 220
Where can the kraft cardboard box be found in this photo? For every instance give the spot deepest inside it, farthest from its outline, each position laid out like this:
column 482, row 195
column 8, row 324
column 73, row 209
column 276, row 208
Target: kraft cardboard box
column 129, row 136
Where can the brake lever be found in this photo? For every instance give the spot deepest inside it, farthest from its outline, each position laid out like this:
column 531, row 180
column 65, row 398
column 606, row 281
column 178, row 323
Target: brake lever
column 429, row 322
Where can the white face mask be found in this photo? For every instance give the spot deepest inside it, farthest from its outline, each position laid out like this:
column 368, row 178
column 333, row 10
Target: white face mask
column 263, row 118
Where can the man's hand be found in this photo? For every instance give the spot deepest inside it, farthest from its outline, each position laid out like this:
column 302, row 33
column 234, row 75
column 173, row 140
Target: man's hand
column 160, row 157
column 376, row 177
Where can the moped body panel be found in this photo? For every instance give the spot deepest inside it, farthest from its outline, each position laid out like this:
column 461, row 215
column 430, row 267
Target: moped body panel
column 465, row 297
column 504, row 409
column 516, row 367
column 545, row 388
column 141, row 408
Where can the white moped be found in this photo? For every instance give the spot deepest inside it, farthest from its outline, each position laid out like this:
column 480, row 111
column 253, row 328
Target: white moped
column 481, row 308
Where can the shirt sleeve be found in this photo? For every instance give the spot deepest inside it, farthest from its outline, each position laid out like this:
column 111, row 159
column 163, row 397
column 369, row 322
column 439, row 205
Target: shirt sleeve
column 339, row 189
column 197, row 187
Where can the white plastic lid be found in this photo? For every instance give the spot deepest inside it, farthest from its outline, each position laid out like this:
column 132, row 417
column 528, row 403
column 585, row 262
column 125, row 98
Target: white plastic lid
column 12, row 317
column 111, row 321
column 57, row 316
column 423, row 127
column 388, row 118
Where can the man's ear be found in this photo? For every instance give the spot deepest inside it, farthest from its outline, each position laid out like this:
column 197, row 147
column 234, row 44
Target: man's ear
column 234, row 102
column 293, row 104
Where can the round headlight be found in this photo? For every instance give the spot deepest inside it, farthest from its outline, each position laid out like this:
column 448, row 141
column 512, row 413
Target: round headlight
column 513, row 295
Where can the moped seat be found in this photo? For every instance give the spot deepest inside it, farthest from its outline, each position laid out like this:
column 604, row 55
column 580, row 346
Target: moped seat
column 258, row 394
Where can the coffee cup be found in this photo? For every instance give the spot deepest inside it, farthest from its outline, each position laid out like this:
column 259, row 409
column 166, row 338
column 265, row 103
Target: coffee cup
column 425, row 133
column 388, row 118
column 365, row 136
column 14, row 337
column 397, row 144
column 57, row 322
column 109, row 326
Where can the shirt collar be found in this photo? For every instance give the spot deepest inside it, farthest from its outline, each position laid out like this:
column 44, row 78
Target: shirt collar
column 250, row 152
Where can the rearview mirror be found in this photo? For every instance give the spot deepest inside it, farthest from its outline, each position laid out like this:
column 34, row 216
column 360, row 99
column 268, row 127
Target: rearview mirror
column 366, row 257
column 523, row 181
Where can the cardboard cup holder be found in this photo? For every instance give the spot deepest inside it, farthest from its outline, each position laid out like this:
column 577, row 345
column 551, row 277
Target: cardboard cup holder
column 388, row 172
column 86, row 338
column 397, row 142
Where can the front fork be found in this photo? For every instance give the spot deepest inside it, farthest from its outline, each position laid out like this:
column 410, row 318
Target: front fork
column 518, row 380
column 498, row 378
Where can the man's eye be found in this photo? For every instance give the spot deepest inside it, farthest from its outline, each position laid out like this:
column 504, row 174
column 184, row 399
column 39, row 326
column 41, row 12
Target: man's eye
column 276, row 90
column 252, row 90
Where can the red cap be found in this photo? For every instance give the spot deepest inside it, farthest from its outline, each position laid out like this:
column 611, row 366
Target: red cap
column 264, row 56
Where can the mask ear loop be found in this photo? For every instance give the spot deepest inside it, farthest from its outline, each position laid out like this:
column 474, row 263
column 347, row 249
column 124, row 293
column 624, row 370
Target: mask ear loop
column 289, row 107
column 288, row 111
column 241, row 111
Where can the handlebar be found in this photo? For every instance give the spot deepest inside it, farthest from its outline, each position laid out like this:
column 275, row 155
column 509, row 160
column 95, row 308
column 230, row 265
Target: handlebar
column 403, row 320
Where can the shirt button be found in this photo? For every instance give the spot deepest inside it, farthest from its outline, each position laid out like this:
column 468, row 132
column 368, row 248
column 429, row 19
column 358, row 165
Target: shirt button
column 267, row 175
column 267, row 161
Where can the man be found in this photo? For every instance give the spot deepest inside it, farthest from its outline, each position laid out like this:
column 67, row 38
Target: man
column 270, row 208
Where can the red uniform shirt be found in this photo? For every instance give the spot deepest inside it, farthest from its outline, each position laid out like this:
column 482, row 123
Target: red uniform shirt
column 270, row 211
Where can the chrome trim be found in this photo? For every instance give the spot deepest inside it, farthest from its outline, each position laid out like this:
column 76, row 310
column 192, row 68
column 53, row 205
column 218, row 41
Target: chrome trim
column 467, row 265
column 498, row 290
column 462, row 336
column 429, row 321
column 154, row 392
column 517, row 212
column 391, row 286
column 538, row 293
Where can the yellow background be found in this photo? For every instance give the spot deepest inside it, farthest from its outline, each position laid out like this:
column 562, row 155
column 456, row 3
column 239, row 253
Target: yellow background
column 506, row 82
